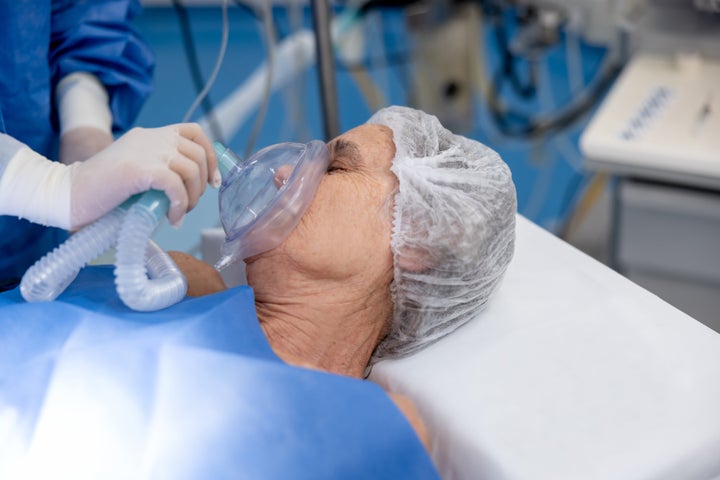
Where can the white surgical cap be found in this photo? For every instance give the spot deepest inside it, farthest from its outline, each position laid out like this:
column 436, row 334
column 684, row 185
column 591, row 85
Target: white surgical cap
column 453, row 229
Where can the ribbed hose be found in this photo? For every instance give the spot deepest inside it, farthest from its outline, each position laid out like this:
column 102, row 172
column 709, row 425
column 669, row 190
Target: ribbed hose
column 51, row 275
column 168, row 285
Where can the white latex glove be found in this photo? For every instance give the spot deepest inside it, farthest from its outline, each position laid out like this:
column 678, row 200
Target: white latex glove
column 177, row 159
column 81, row 143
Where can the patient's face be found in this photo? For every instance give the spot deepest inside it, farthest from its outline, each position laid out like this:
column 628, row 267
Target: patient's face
column 346, row 231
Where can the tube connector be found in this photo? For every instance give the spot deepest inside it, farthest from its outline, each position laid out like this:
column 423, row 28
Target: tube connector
column 227, row 160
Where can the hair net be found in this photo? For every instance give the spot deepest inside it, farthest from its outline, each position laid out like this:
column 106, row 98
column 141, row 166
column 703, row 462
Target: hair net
column 453, row 229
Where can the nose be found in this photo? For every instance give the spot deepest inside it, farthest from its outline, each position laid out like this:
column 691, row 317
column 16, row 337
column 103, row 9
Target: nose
column 281, row 175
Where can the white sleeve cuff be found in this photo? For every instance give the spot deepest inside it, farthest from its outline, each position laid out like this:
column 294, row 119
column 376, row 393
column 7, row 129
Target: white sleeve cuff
column 37, row 189
column 82, row 101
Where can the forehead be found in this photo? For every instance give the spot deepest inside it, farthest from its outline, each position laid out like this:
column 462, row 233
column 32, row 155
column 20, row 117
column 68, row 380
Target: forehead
column 371, row 144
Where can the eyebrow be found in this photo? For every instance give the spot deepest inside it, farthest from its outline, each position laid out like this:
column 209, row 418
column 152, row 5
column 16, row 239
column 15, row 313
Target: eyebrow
column 346, row 149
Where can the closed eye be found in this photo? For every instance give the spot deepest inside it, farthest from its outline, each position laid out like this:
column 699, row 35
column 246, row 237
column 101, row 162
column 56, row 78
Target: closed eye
column 335, row 167
column 345, row 156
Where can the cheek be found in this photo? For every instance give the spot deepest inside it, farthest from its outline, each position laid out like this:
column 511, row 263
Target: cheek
column 370, row 226
column 345, row 231
column 356, row 227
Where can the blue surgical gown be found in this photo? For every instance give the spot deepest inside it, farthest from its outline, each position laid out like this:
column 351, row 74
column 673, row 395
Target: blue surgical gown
column 42, row 42
column 91, row 389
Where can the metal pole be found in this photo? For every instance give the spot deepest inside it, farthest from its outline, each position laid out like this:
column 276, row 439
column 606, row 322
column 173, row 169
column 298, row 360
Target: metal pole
column 326, row 68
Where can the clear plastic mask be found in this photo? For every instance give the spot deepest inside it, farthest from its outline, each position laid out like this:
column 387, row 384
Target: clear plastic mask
column 263, row 198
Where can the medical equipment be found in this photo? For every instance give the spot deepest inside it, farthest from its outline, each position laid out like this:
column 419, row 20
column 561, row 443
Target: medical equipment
column 130, row 225
column 656, row 133
column 263, row 198
column 293, row 55
column 661, row 117
column 135, row 224
column 660, row 121
column 443, row 84
column 321, row 41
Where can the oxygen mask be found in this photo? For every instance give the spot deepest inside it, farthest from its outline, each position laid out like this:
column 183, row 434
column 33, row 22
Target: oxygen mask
column 263, row 197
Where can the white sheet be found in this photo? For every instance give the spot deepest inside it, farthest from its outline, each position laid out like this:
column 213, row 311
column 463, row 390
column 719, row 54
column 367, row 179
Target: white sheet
column 572, row 372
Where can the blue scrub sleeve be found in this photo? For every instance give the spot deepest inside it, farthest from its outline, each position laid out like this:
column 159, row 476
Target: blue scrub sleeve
column 98, row 37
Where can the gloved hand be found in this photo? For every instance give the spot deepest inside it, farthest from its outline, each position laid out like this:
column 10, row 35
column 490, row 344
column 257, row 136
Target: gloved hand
column 177, row 159
column 81, row 143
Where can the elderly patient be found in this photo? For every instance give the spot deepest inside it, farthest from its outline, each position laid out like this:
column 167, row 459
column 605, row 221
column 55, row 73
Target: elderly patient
column 407, row 236
column 405, row 240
